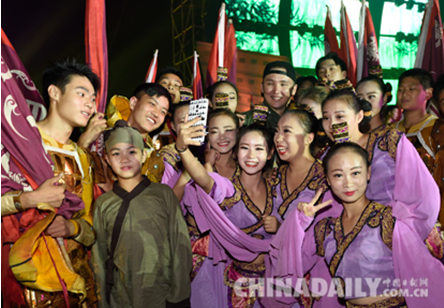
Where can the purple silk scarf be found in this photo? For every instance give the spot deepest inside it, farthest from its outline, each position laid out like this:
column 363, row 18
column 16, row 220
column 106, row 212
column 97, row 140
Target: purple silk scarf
column 21, row 140
column 225, row 236
column 23, row 80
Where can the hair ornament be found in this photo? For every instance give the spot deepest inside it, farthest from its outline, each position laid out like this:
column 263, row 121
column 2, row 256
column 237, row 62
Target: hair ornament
column 222, row 73
column 260, row 114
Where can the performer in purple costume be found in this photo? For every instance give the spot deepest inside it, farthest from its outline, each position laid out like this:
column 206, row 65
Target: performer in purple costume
column 301, row 174
column 381, row 144
column 243, row 219
column 223, row 127
column 367, row 239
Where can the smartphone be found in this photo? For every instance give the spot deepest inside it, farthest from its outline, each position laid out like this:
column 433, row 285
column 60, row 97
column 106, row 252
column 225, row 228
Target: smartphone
column 199, row 108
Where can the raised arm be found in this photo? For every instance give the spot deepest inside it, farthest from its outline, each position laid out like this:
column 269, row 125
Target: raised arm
column 179, row 187
column 184, row 139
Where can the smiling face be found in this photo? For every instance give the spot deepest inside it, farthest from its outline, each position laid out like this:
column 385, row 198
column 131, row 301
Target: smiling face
column 76, row 104
column 411, row 94
column 148, row 113
column 253, row 153
column 222, row 134
column 172, row 83
column 338, row 111
column 348, row 175
column 278, row 90
column 232, row 96
column 370, row 91
column 290, row 138
column 126, row 160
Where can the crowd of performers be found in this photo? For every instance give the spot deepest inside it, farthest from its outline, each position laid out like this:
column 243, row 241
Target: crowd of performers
column 320, row 182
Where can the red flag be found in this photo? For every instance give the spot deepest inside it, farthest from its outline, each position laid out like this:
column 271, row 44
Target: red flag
column 23, row 79
column 217, row 50
column 197, row 78
column 368, row 54
column 152, row 70
column 330, row 39
column 430, row 55
column 96, row 46
column 230, row 52
column 348, row 46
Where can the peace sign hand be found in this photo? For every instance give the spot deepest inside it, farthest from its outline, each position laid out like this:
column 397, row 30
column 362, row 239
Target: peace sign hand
column 310, row 209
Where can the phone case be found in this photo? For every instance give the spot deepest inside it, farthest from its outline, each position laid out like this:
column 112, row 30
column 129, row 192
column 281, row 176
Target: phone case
column 199, row 108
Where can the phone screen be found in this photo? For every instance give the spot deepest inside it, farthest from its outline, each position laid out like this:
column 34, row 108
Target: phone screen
column 199, row 108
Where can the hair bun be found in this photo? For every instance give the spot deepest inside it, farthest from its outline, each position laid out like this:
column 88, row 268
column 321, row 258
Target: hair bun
column 365, row 105
column 342, row 84
column 388, row 91
column 120, row 123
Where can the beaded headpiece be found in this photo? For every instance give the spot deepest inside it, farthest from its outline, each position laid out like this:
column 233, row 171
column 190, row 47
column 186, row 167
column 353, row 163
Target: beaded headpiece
column 221, row 100
column 222, row 73
column 260, row 114
column 340, row 132
column 186, row 94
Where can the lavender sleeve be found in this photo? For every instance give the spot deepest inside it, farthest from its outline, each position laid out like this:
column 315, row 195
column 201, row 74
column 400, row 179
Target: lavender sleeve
column 415, row 206
column 292, row 254
column 286, row 247
column 224, row 236
column 170, row 175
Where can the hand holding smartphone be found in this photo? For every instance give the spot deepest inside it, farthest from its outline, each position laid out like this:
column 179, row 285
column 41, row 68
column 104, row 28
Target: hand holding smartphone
column 199, row 108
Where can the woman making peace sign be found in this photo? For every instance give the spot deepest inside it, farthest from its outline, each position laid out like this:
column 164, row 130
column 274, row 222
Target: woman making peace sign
column 363, row 246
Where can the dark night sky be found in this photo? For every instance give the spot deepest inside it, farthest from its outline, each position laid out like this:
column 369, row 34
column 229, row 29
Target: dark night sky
column 49, row 30
column 52, row 30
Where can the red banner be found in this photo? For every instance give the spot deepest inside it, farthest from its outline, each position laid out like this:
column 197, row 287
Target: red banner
column 430, row 55
column 330, row 39
column 348, row 46
column 152, row 70
column 96, row 46
column 197, row 78
column 368, row 54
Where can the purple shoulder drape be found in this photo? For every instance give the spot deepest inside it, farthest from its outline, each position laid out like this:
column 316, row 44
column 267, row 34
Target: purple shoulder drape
column 23, row 79
column 225, row 236
column 21, row 140
column 416, row 204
